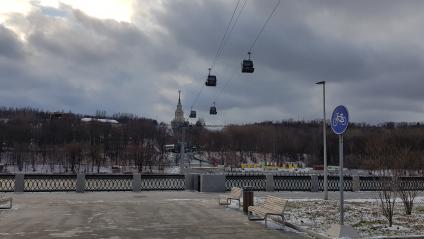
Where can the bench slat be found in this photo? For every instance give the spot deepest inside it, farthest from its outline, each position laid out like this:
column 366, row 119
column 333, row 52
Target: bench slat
column 5, row 199
column 271, row 204
column 235, row 194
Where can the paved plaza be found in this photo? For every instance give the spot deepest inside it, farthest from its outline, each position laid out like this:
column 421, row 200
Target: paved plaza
column 117, row 215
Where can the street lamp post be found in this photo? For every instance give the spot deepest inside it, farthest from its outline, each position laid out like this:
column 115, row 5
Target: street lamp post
column 182, row 148
column 324, row 135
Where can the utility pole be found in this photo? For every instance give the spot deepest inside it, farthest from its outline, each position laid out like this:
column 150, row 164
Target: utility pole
column 182, row 150
column 324, row 136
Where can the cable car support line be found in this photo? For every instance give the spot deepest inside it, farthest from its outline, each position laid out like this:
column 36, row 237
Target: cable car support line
column 225, row 36
column 263, row 26
column 247, row 64
column 211, row 79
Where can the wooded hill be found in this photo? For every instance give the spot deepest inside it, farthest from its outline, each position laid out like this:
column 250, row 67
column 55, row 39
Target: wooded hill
column 294, row 140
column 30, row 136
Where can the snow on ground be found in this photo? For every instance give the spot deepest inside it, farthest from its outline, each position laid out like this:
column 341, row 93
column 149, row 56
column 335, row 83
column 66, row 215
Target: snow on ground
column 173, row 170
column 363, row 214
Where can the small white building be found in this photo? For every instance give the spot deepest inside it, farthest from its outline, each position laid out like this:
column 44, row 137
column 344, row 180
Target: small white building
column 110, row 121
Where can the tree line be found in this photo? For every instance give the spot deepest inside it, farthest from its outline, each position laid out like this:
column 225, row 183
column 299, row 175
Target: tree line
column 302, row 140
column 31, row 137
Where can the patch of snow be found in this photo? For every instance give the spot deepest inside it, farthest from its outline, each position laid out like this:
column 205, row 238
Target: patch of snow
column 70, row 233
column 173, row 170
column 304, row 199
column 363, row 214
column 111, row 121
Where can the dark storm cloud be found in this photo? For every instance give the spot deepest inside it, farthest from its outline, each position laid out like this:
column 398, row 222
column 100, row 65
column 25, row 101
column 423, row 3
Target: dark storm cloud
column 79, row 63
column 369, row 52
column 289, row 44
column 363, row 49
column 10, row 47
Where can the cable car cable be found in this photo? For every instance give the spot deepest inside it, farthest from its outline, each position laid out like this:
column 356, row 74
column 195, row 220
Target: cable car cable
column 233, row 75
column 197, row 96
column 232, row 23
column 263, row 26
column 225, row 35
column 232, row 27
column 250, row 69
column 225, row 86
column 217, row 53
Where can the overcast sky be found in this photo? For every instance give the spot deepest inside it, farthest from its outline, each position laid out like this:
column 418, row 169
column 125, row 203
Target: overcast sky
column 133, row 56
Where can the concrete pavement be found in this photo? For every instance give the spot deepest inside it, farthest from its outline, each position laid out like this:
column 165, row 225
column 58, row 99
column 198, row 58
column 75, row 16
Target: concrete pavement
column 119, row 215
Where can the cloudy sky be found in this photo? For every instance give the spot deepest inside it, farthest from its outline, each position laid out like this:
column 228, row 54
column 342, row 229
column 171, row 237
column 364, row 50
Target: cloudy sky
column 133, row 56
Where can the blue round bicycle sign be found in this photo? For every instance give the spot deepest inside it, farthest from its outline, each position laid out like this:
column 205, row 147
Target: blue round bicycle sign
column 339, row 119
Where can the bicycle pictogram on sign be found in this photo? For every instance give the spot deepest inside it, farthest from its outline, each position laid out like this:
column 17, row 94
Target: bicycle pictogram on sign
column 339, row 119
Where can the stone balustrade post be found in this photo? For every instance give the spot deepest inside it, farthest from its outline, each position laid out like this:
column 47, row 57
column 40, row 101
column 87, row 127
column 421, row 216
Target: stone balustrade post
column 270, row 184
column 314, row 183
column 356, row 183
column 136, row 182
column 80, row 183
column 19, row 183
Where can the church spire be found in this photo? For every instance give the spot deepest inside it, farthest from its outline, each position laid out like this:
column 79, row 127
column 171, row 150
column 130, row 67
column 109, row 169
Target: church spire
column 179, row 97
column 179, row 113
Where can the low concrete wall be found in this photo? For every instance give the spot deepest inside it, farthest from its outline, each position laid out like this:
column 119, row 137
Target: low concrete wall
column 192, row 181
column 212, row 183
column 196, row 182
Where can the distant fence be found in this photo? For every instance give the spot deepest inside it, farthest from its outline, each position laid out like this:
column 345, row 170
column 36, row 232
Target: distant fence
column 167, row 182
column 162, row 182
column 333, row 183
column 292, row 183
column 108, row 182
column 253, row 181
column 314, row 183
column 90, row 182
column 374, row 183
column 49, row 183
column 7, row 183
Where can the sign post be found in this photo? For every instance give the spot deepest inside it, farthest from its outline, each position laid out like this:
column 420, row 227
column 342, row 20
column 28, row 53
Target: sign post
column 341, row 179
column 339, row 124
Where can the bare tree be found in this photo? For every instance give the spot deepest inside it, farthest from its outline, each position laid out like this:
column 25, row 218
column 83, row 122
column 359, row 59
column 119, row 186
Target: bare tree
column 381, row 155
column 406, row 190
column 387, row 197
column 407, row 195
column 74, row 155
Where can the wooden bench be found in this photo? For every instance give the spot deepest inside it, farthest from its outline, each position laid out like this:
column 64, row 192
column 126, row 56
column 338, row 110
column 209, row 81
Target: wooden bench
column 4, row 200
column 273, row 206
column 235, row 195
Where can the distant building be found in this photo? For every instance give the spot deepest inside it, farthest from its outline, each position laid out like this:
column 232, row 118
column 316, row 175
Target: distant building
column 169, row 147
column 110, row 121
column 179, row 120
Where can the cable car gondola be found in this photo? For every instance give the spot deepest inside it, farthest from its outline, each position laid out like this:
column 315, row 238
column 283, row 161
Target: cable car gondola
column 212, row 110
column 247, row 65
column 192, row 113
column 211, row 80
